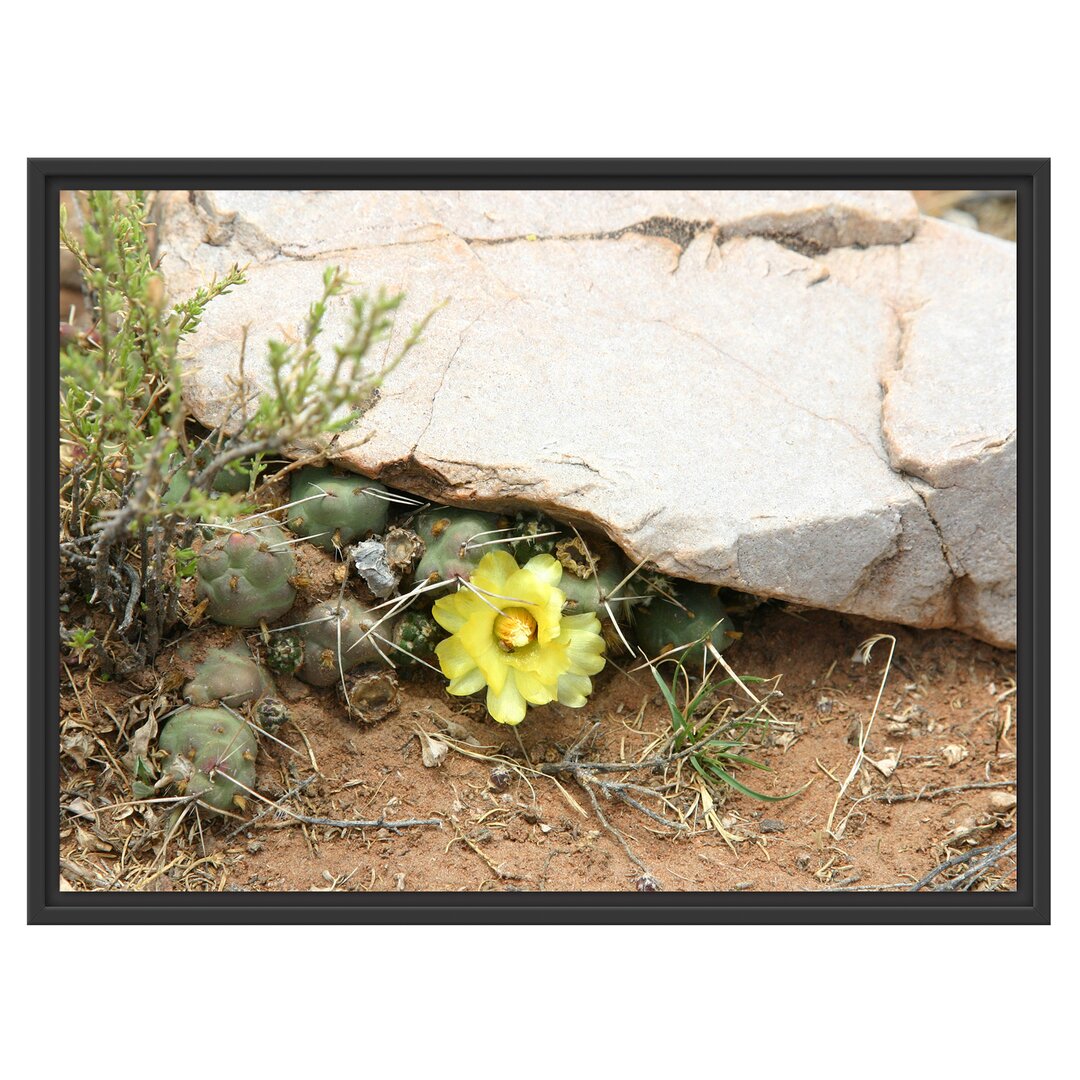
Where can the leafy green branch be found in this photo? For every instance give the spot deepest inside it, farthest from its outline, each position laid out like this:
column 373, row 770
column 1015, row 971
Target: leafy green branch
column 134, row 484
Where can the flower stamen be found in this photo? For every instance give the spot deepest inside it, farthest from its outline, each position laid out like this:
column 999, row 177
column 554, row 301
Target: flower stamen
column 515, row 628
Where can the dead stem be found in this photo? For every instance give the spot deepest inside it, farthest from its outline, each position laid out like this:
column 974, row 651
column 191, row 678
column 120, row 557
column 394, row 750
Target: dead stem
column 334, row 823
column 975, row 873
column 917, row 796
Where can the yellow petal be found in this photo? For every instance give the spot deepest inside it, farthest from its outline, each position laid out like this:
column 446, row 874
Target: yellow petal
column 507, row 707
column 493, row 571
column 549, row 662
column 586, row 621
column 549, row 617
column 526, row 587
column 584, row 653
column 477, row 638
column 478, row 633
column 574, row 690
column 532, row 689
column 449, row 612
column 454, row 659
column 493, row 664
column 468, row 683
column 547, row 568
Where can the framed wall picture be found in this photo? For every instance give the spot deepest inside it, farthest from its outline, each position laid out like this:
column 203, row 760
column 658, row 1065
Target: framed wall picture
column 568, row 541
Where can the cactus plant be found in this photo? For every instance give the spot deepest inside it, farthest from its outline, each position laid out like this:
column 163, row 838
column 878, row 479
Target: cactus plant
column 416, row 636
column 234, row 478
column 245, row 575
column 346, row 511
column 336, row 639
column 533, row 527
column 284, row 652
column 270, row 713
column 591, row 573
column 679, row 613
column 447, row 534
column 207, row 749
column 230, row 676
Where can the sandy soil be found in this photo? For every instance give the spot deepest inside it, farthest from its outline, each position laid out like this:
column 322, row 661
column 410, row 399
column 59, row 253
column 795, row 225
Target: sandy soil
column 946, row 721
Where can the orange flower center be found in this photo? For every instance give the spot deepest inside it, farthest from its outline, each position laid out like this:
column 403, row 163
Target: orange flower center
column 515, row 628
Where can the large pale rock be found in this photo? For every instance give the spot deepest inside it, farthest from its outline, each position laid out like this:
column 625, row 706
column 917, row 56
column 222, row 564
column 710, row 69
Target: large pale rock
column 949, row 408
column 807, row 395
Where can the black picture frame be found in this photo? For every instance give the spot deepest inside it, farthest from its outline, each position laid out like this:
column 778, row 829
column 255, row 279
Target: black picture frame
column 1029, row 904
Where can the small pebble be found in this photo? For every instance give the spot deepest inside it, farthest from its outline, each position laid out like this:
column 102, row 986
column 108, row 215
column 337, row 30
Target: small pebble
column 500, row 778
column 1002, row 802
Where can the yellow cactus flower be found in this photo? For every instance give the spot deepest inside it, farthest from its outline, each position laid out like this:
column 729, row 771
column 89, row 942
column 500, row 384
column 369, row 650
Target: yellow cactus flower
column 512, row 637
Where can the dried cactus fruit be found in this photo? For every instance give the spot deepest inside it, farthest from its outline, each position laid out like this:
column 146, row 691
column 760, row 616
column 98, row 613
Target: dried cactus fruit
column 404, row 549
column 680, row 613
column 284, row 652
column 336, row 639
column 347, row 511
column 245, row 576
column 230, row 676
column 271, row 713
column 369, row 558
column 372, row 695
column 207, row 750
column 383, row 561
column 450, row 537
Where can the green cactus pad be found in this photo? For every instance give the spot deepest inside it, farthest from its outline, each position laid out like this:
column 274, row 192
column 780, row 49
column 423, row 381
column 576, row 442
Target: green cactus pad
column 347, row 511
column 207, row 749
column 321, row 640
column 228, row 676
column 445, row 533
column 678, row 613
column 245, row 576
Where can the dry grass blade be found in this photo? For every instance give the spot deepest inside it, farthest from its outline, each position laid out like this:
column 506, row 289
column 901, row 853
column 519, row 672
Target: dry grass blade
column 863, row 653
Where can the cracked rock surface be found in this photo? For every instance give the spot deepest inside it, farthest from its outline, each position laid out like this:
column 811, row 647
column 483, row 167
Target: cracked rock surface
column 807, row 395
